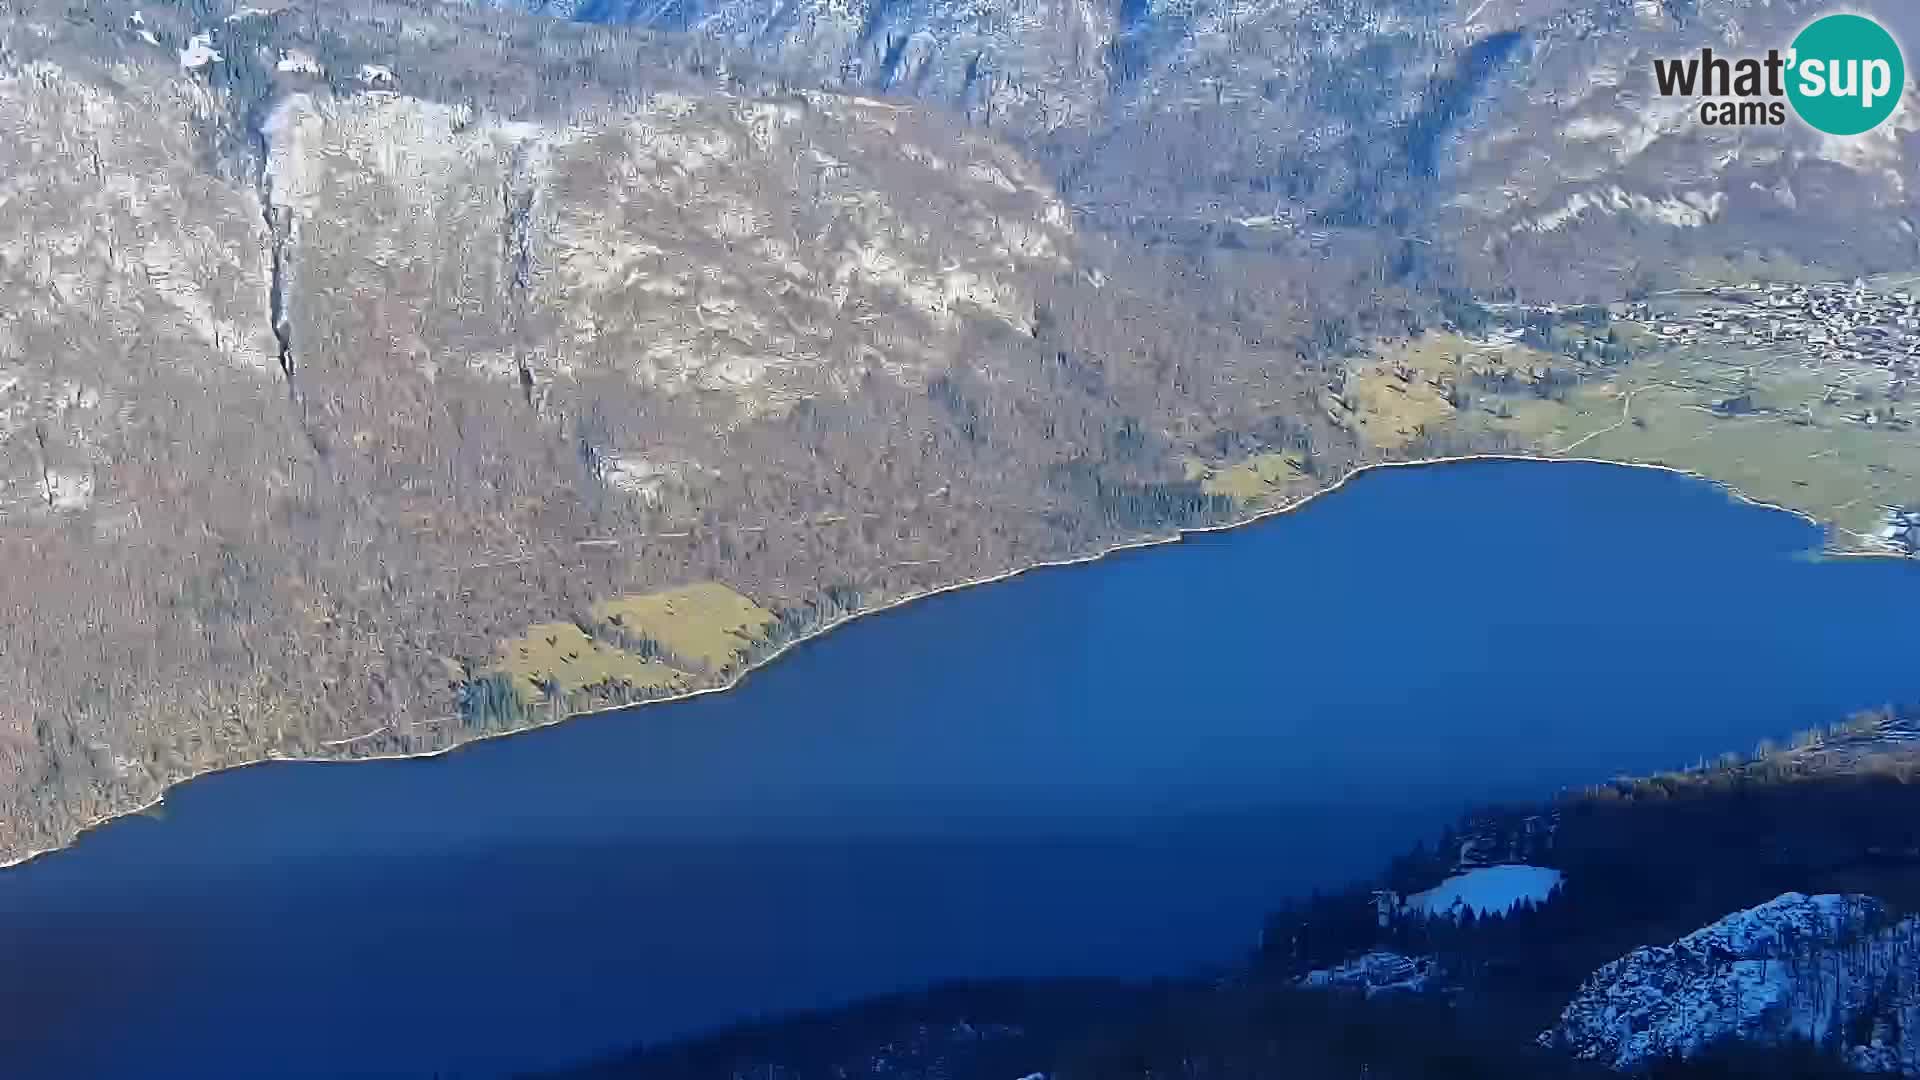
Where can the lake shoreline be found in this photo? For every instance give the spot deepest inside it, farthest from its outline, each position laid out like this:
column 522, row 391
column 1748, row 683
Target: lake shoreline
column 1175, row 537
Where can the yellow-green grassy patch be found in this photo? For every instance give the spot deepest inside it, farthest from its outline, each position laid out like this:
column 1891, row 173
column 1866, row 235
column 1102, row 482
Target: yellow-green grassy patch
column 1408, row 389
column 562, row 653
column 705, row 623
column 1258, row 477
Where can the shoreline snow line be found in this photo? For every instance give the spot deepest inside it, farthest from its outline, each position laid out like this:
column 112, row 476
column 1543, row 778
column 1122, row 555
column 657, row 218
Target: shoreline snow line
column 1120, row 547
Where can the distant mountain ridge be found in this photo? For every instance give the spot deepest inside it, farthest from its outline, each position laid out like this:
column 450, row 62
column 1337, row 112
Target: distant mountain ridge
column 1507, row 136
column 972, row 56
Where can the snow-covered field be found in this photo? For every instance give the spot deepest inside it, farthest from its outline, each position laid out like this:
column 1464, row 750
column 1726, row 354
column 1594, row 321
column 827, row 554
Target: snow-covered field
column 1486, row 891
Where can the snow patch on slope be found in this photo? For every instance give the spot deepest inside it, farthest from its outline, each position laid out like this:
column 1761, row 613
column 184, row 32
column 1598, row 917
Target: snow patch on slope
column 1378, row 972
column 1689, row 210
column 1489, row 890
column 69, row 489
column 199, row 52
column 299, row 62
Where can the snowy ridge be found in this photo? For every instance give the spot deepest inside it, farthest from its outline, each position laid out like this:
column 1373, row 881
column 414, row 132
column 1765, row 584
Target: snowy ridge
column 1822, row 968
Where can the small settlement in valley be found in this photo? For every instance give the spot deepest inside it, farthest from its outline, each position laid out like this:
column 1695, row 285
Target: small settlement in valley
column 1801, row 395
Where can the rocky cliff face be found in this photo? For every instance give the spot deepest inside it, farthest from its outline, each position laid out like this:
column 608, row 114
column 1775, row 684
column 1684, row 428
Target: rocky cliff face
column 762, row 249
column 126, row 269
column 1831, row 970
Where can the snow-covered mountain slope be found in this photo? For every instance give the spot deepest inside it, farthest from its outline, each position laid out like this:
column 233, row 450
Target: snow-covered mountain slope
column 1832, row 970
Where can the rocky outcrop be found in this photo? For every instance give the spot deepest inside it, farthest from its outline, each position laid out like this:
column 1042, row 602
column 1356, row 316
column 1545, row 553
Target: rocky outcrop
column 1831, row 970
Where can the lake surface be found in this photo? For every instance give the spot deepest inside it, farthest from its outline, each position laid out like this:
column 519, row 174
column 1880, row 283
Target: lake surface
column 1112, row 768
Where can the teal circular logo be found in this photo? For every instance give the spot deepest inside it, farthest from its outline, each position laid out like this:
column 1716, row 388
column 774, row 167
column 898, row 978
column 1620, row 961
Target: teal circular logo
column 1846, row 74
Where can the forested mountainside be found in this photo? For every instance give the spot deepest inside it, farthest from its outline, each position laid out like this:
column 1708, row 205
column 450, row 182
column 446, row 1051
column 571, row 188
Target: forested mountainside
column 379, row 375
column 372, row 377
column 1747, row 918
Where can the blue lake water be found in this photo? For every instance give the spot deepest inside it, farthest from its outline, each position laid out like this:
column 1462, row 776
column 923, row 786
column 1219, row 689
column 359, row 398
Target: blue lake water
column 1112, row 768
